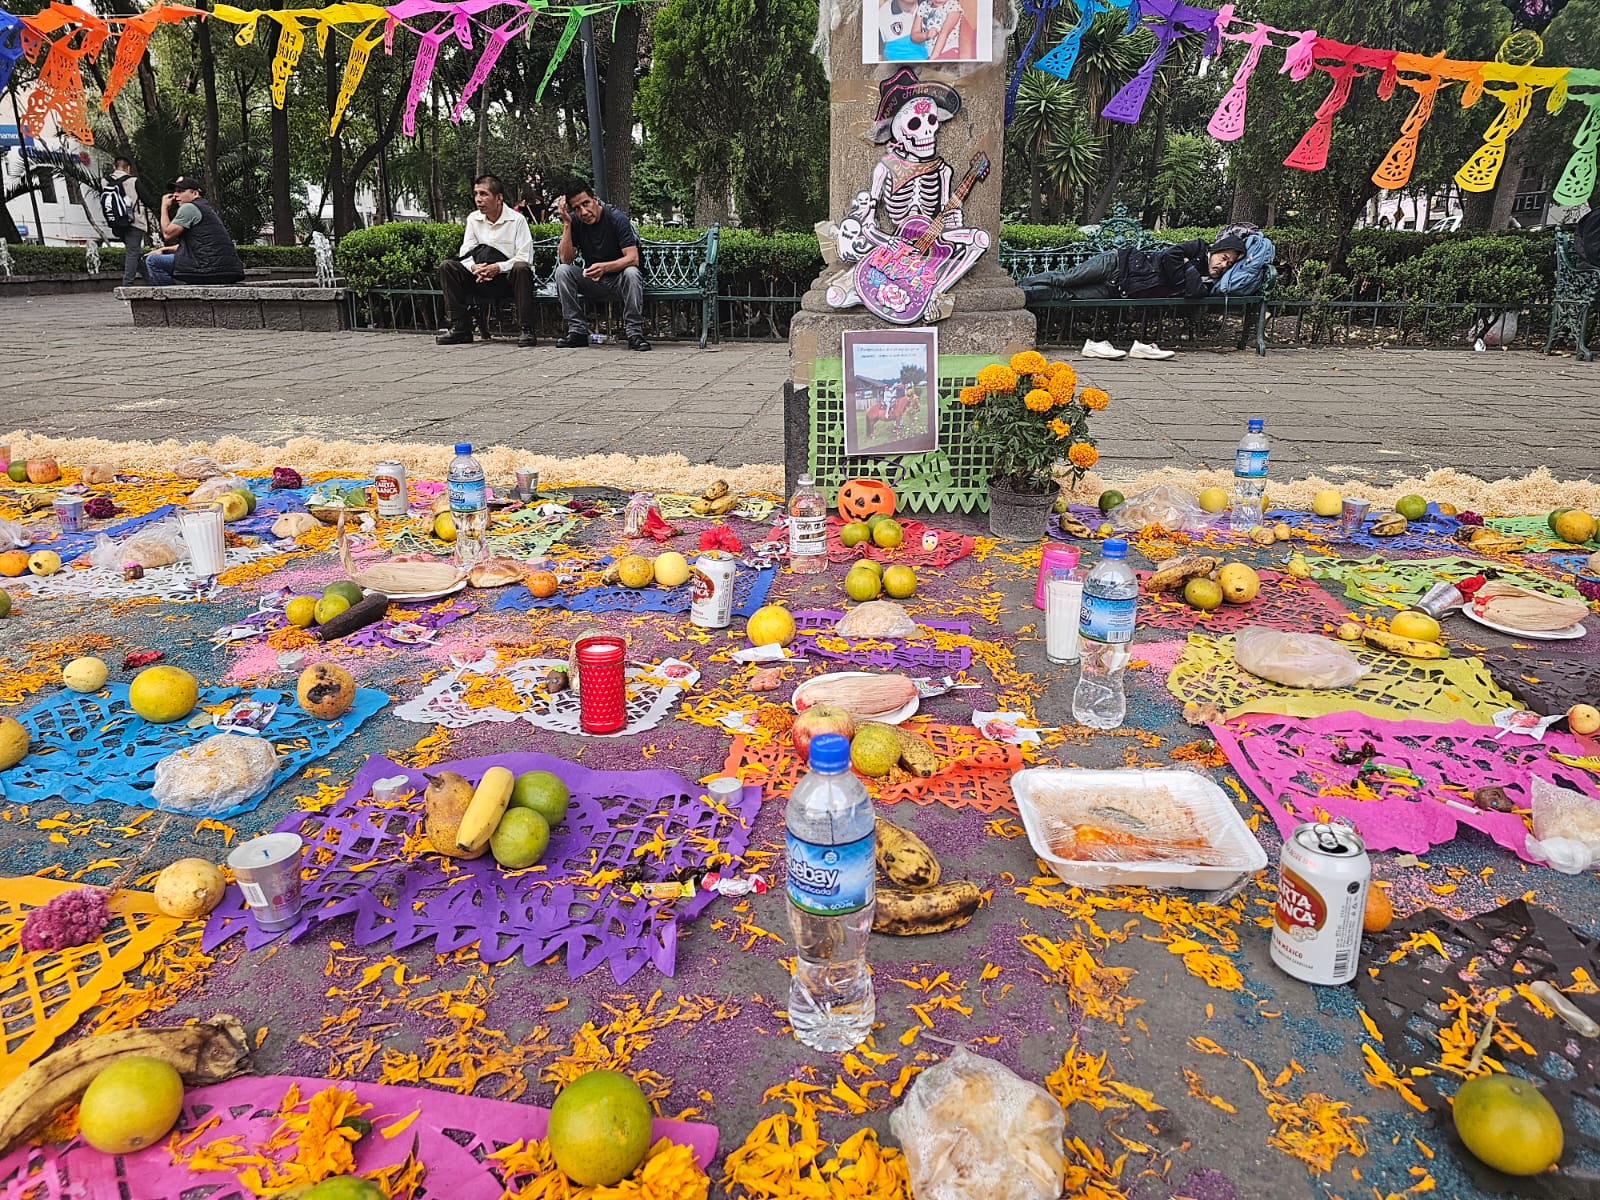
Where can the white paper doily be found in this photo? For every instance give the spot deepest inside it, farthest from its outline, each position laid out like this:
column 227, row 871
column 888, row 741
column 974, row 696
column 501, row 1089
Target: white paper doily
column 441, row 702
column 175, row 583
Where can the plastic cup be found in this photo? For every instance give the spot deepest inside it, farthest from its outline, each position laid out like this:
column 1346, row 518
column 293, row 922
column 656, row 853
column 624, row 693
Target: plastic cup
column 69, row 513
column 202, row 534
column 1052, row 559
column 1352, row 514
column 527, row 485
column 267, row 869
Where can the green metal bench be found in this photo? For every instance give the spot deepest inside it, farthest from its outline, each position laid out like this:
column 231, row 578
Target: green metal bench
column 1576, row 294
column 673, row 270
column 1116, row 231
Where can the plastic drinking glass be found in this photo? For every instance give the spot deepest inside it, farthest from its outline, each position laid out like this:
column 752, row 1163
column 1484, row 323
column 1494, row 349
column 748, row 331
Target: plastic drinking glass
column 267, row 869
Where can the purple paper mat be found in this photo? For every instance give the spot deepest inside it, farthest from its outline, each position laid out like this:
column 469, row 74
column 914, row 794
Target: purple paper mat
column 900, row 654
column 536, row 913
column 750, row 589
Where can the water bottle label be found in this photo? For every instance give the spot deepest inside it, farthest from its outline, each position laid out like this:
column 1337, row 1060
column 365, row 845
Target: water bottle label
column 1251, row 464
column 830, row 881
column 808, row 536
column 468, row 495
column 1108, row 620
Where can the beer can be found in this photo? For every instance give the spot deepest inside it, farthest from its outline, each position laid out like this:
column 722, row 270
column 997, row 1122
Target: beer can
column 711, row 601
column 389, row 482
column 1322, row 898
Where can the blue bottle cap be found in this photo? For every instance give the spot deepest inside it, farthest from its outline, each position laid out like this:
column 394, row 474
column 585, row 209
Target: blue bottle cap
column 830, row 753
column 1110, row 548
column 463, row 447
column 1257, row 424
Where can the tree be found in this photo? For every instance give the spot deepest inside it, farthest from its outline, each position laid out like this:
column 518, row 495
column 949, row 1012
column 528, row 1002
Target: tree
column 1046, row 105
column 621, row 74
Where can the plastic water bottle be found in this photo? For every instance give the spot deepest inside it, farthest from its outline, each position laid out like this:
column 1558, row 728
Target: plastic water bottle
column 830, row 846
column 1249, row 477
column 808, row 529
column 469, row 506
column 1110, row 606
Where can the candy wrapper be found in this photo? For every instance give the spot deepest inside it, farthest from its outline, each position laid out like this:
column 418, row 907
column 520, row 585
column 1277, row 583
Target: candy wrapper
column 1528, row 724
column 1009, row 727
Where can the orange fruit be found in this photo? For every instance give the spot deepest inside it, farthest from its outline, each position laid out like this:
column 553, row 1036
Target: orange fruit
column 133, row 1102
column 1380, row 913
column 542, row 584
column 599, row 1128
column 1508, row 1124
column 14, row 563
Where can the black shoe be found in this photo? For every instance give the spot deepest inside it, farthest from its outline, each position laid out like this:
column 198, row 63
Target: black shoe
column 460, row 335
column 572, row 341
column 483, row 324
column 636, row 342
column 528, row 338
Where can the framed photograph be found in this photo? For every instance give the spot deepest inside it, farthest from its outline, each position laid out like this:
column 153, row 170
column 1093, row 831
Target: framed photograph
column 891, row 401
column 919, row 31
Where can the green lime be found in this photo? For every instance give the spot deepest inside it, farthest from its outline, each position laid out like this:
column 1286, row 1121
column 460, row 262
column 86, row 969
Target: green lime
column 1412, row 508
column 875, row 520
column 347, row 591
column 328, row 608
column 520, row 839
column 543, row 793
column 249, row 499
column 854, row 533
column 17, row 472
column 1109, row 500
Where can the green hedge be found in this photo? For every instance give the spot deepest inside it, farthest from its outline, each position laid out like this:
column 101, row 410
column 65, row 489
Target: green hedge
column 30, row 259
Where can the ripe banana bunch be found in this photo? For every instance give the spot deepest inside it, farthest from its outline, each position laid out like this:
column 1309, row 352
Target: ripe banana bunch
column 715, row 501
column 1173, row 573
column 1487, row 541
column 203, row 1053
column 1380, row 639
column 1389, row 524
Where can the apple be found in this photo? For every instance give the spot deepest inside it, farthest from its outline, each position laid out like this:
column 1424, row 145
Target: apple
column 43, row 470
column 822, row 718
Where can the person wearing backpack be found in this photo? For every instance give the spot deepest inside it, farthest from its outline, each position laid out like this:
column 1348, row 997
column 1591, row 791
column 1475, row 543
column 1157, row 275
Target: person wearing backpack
column 119, row 205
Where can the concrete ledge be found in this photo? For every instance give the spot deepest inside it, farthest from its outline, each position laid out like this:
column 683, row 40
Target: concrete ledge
column 294, row 306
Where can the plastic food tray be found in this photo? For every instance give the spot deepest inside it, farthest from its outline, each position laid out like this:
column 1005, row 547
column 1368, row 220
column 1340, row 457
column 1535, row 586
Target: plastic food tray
column 1213, row 813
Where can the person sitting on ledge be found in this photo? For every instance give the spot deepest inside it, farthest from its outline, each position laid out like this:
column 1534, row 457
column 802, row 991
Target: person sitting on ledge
column 610, row 248
column 500, row 248
column 198, row 250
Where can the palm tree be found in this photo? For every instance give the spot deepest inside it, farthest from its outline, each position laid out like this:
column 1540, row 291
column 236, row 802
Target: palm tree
column 1045, row 106
column 1108, row 56
column 1070, row 161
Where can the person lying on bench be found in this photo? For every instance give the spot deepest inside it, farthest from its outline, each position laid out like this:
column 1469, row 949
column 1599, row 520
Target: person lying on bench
column 500, row 250
column 1188, row 269
column 610, row 248
column 198, row 249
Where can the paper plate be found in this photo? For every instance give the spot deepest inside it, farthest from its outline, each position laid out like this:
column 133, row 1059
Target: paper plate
column 894, row 718
column 1550, row 635
column 414, row 597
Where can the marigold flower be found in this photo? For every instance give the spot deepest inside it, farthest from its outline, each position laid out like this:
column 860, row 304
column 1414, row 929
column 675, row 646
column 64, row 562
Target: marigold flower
column 1061, row 368
column 997, row 378
column 972, row 395
column 1083, row 455
column 1094, row 399
column 1042, row 381
column 1060, row 428
column 1029, row 362
column 1061, row 389
column 1039, row 400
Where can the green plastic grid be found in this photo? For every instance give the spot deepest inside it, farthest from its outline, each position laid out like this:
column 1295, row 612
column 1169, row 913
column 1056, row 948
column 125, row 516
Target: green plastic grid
column 953, row 478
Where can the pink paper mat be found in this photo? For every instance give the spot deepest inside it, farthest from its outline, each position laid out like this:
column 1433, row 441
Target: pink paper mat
column 1287, row 763
column 452, row 1137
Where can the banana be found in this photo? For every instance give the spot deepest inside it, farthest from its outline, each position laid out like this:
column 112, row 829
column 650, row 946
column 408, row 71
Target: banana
column 483, row 814
column 700, row 506
column 717, row 490
column 905, row 858
column 611, row 576
column 1490, row 542
column 1173, row 573
column 1073, row 527
column 202, row 1053
column 723, row 505
column 1410, row 647
column 1389, row 524
column 938, row 909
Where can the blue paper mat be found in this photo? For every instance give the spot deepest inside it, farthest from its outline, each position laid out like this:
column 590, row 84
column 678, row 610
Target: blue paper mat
column 749, row 593
column 94, row 747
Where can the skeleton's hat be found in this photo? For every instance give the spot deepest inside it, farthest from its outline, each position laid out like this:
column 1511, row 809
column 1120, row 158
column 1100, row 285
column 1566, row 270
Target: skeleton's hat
column 903, row 87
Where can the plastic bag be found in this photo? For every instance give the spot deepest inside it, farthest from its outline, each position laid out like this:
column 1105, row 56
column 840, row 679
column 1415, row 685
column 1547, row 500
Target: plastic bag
column 1566, row 828
column 215, row 775
column 13, row 536
column 217, row 487
column 199, row 466
column 877, row 618
column 1170, row 507
column 973, row 1130
column 1296, row 659
column 158, row 545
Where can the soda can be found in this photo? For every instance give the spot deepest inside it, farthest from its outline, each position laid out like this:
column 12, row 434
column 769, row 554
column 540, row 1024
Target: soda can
column 389, row 482
column 1322, row 898
column 711, row 601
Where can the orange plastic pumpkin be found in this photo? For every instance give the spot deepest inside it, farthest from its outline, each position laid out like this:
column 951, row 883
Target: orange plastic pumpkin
column 861, row 498
column 43, row 470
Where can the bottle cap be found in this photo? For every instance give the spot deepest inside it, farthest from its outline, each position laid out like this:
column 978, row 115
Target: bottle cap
column 1257, row 424
column 1111, row 548
column 830, row 753
column 805, row 481
column 463, row 447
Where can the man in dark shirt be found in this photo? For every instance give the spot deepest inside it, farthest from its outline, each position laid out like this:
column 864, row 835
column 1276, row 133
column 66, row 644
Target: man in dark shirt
column 610, row 248
column 198, row 248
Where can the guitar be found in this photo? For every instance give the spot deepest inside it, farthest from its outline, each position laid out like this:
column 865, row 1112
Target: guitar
column 896, row 281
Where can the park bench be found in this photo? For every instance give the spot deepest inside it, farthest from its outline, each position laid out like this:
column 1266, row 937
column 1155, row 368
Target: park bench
column 1116, row 231
column 292, row 306
column 1576, row 293
column 673, row 270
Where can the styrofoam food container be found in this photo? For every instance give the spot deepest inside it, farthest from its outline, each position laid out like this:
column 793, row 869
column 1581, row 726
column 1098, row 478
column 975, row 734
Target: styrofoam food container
column 1213, row 812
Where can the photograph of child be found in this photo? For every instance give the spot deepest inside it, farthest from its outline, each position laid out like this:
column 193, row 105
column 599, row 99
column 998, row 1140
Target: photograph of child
column 928, row 31
column 891, row 406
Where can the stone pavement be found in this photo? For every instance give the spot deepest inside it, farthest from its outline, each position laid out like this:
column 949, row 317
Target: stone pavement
column 82, row 369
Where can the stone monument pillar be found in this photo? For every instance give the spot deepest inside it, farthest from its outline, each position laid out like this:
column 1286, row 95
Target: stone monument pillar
column 989, row 315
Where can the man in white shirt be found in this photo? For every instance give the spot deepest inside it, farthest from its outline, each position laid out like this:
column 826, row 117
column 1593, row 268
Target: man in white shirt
column 496, row 261
column 130, row 223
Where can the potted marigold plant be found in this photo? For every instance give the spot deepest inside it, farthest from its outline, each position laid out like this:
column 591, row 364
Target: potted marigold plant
column 1033, row 421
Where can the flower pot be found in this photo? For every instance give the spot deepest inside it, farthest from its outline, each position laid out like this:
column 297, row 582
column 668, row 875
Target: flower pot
column 1019, row 516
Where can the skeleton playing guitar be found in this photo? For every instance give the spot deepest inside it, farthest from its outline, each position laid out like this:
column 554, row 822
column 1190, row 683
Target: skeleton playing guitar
column 896, row 281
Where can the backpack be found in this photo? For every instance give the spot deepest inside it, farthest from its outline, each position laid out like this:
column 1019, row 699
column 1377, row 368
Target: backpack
column 114, row 205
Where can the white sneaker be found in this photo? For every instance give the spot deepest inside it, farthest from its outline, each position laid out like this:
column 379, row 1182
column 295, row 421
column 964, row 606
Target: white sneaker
column 1140, row 350
column 1103, row 350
